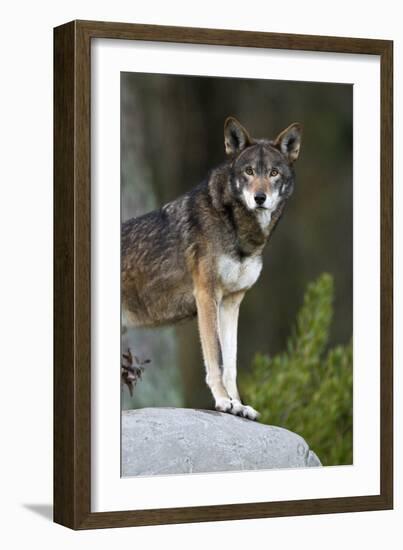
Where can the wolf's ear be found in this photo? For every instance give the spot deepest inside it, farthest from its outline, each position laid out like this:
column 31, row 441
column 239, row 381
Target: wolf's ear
column 289, row 141
column 236, row 137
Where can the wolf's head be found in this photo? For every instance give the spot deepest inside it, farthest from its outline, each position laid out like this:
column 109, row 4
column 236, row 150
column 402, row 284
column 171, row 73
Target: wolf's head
column 262, row 174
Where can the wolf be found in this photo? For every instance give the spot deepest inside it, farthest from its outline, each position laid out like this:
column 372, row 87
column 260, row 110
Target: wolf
column 200, row 253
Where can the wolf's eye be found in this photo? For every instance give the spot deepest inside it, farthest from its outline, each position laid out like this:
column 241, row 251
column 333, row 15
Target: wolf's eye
column 249, row 170
column 273, row 173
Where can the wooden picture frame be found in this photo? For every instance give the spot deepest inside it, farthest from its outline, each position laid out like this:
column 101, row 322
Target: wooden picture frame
column 72, row 269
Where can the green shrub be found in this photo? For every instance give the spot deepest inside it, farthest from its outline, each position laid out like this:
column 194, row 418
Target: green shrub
column 308, row 389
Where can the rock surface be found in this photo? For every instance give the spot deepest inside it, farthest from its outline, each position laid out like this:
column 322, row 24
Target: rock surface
column 177, row 441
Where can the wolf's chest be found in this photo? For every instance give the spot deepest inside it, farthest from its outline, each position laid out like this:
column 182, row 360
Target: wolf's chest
column 236, row 275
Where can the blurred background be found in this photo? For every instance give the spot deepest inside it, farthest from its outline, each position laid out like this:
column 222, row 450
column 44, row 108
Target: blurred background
column 171, row 136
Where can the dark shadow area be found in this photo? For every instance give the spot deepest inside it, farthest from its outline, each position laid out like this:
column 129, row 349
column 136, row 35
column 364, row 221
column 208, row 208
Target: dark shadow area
column 44, row 510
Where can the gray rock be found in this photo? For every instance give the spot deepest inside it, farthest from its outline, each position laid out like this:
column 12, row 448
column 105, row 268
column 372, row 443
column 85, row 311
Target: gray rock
column 177, row 441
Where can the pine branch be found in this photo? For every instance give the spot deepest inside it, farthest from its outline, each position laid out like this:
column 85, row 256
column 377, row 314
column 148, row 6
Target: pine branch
column 132, row 369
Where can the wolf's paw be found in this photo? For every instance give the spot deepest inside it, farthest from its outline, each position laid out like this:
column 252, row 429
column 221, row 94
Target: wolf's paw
column 224, row 404
column 248, row 412
column 233, row 406
column 236, row 407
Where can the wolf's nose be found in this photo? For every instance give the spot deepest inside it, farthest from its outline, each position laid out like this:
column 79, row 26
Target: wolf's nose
column 260, row 198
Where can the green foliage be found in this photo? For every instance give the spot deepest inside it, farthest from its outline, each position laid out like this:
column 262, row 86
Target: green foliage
column 308, row 389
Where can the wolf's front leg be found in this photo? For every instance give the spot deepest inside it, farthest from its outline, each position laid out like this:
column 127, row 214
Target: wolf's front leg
column 228, row 319
column 207, row 316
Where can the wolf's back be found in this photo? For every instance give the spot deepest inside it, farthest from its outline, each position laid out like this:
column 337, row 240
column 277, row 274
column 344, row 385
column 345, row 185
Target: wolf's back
column 156, row 283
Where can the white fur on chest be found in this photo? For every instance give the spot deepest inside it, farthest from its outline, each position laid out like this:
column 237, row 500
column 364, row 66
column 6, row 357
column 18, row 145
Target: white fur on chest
column 238, row 275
